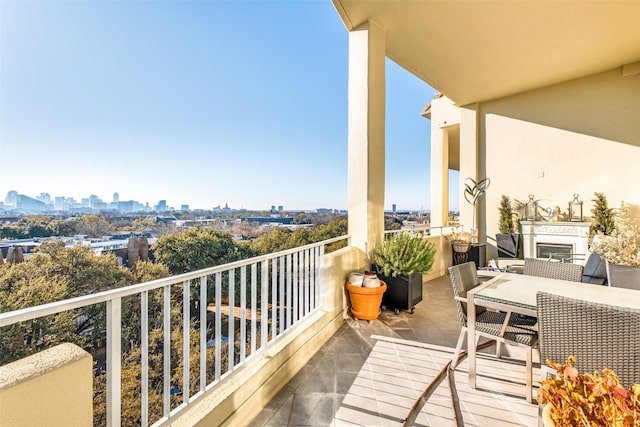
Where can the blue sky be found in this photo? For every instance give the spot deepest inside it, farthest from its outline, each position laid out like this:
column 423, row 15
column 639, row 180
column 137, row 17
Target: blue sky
column 200, row 103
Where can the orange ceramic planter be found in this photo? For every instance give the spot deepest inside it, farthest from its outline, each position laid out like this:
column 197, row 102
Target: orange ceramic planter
column 365, row 302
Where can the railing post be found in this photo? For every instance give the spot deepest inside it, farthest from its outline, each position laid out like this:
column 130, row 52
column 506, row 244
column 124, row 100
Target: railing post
column 114, row 351
column 203, row 333
column 144, row 358
column 296, row 286
column 254, row 304
column 186, row 329
column 281, row 298
column 218, row 327
column 274, row 298
column 289, row 291
column 264, row 313
column 243, row 313
column 166, row 357
column 231, row 333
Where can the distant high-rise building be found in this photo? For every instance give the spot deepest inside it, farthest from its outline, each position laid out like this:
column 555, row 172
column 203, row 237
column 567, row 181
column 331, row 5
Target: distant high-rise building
column 273, row 208
column 161, row 206
column 184, row 208
column 95, row 202
column 44, row 198
column 393, row 208
column 116, row 197
column 12, row 199
column 280, row 209
column 127, row 206
column 28, row 204
column 58, row 204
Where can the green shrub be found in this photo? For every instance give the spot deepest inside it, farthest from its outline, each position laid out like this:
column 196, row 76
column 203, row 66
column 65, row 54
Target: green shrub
column 404, row 253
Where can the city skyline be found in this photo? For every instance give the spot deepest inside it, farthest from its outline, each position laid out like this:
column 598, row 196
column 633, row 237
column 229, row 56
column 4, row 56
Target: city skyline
column 95, row 202
column 176, row 101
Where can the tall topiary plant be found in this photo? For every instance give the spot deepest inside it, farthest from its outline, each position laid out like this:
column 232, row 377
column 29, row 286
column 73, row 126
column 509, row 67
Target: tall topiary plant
column 603, row 216
column 505, row 222
column 507, row 238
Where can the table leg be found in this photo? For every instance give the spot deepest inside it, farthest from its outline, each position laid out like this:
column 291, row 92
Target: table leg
column 471, row 338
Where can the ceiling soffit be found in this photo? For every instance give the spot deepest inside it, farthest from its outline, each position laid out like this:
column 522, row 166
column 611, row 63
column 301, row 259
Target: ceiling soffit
column 475, row 51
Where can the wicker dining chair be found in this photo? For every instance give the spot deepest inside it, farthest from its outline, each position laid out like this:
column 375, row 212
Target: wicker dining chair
column 598, row 335
column 498, row 326
column 553, row 269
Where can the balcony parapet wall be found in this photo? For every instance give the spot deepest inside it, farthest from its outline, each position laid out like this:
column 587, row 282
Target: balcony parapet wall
column 59, row 379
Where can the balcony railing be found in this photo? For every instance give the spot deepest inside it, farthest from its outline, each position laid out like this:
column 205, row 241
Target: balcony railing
column 265, row 296
column 445, row 230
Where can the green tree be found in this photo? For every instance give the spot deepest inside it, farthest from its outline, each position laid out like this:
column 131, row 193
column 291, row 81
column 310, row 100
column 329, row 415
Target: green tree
column 275, row 241
column 94, row 226
column 32, row 226
column 392, row 223
column 281, row 239
column 301, row 218
column 64, row 227
column 198, row 248
column 55, row 273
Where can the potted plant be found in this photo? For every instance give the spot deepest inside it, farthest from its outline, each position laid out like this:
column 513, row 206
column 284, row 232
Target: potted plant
column 401, row 261
column 603, row 216
column 621, row 249
column 507, row 238
column 597, row 399
column 365, row 300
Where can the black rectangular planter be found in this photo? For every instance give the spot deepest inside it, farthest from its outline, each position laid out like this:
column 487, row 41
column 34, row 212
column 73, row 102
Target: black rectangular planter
column 477, row 253
column 403, row 292
column 508, row 245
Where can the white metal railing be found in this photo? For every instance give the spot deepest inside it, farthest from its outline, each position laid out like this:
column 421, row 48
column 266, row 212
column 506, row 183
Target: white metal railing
column 428, row 231
column 275, row 291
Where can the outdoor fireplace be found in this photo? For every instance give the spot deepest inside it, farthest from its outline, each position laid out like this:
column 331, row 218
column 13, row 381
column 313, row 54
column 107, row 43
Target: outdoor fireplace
column 559, row 251
column 556, row 240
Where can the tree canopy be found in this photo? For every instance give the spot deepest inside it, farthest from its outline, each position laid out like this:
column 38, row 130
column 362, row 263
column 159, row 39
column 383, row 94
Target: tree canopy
column 198, row 248
column 281, row 239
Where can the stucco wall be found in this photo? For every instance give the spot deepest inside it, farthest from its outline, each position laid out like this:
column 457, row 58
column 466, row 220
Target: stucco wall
column 443, row 258
column 50, row 388
column 581, row 136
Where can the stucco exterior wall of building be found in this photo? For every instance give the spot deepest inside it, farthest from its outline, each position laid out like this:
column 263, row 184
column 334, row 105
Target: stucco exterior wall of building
column 581, row 136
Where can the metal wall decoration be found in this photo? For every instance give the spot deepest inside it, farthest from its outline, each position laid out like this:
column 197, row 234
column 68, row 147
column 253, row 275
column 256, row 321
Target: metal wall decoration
column 575, row 209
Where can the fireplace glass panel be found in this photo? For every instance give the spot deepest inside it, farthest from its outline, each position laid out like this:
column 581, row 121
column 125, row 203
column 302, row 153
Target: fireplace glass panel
column 554, row 251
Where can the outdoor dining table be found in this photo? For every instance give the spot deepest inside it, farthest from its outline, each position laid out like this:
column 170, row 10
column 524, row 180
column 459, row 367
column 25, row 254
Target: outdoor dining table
column 516, row 293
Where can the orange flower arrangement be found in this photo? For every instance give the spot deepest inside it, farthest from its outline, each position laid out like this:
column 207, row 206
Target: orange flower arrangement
column 589, row 400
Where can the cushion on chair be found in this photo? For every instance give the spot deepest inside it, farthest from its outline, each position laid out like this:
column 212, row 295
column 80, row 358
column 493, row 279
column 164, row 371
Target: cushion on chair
column 595, row 270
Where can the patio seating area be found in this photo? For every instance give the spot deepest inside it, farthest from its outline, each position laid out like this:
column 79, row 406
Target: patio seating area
column 371, row 374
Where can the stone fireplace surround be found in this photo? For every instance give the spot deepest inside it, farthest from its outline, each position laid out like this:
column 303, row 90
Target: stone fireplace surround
column 575, row 234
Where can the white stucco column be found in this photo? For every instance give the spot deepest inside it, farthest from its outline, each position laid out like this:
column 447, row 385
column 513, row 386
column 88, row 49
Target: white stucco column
column 366, row 158
column 439, row 175
column 445, row 125
column 469, row 167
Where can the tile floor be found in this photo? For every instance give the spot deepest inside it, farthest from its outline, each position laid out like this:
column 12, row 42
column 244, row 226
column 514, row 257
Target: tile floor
column 371, row 374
